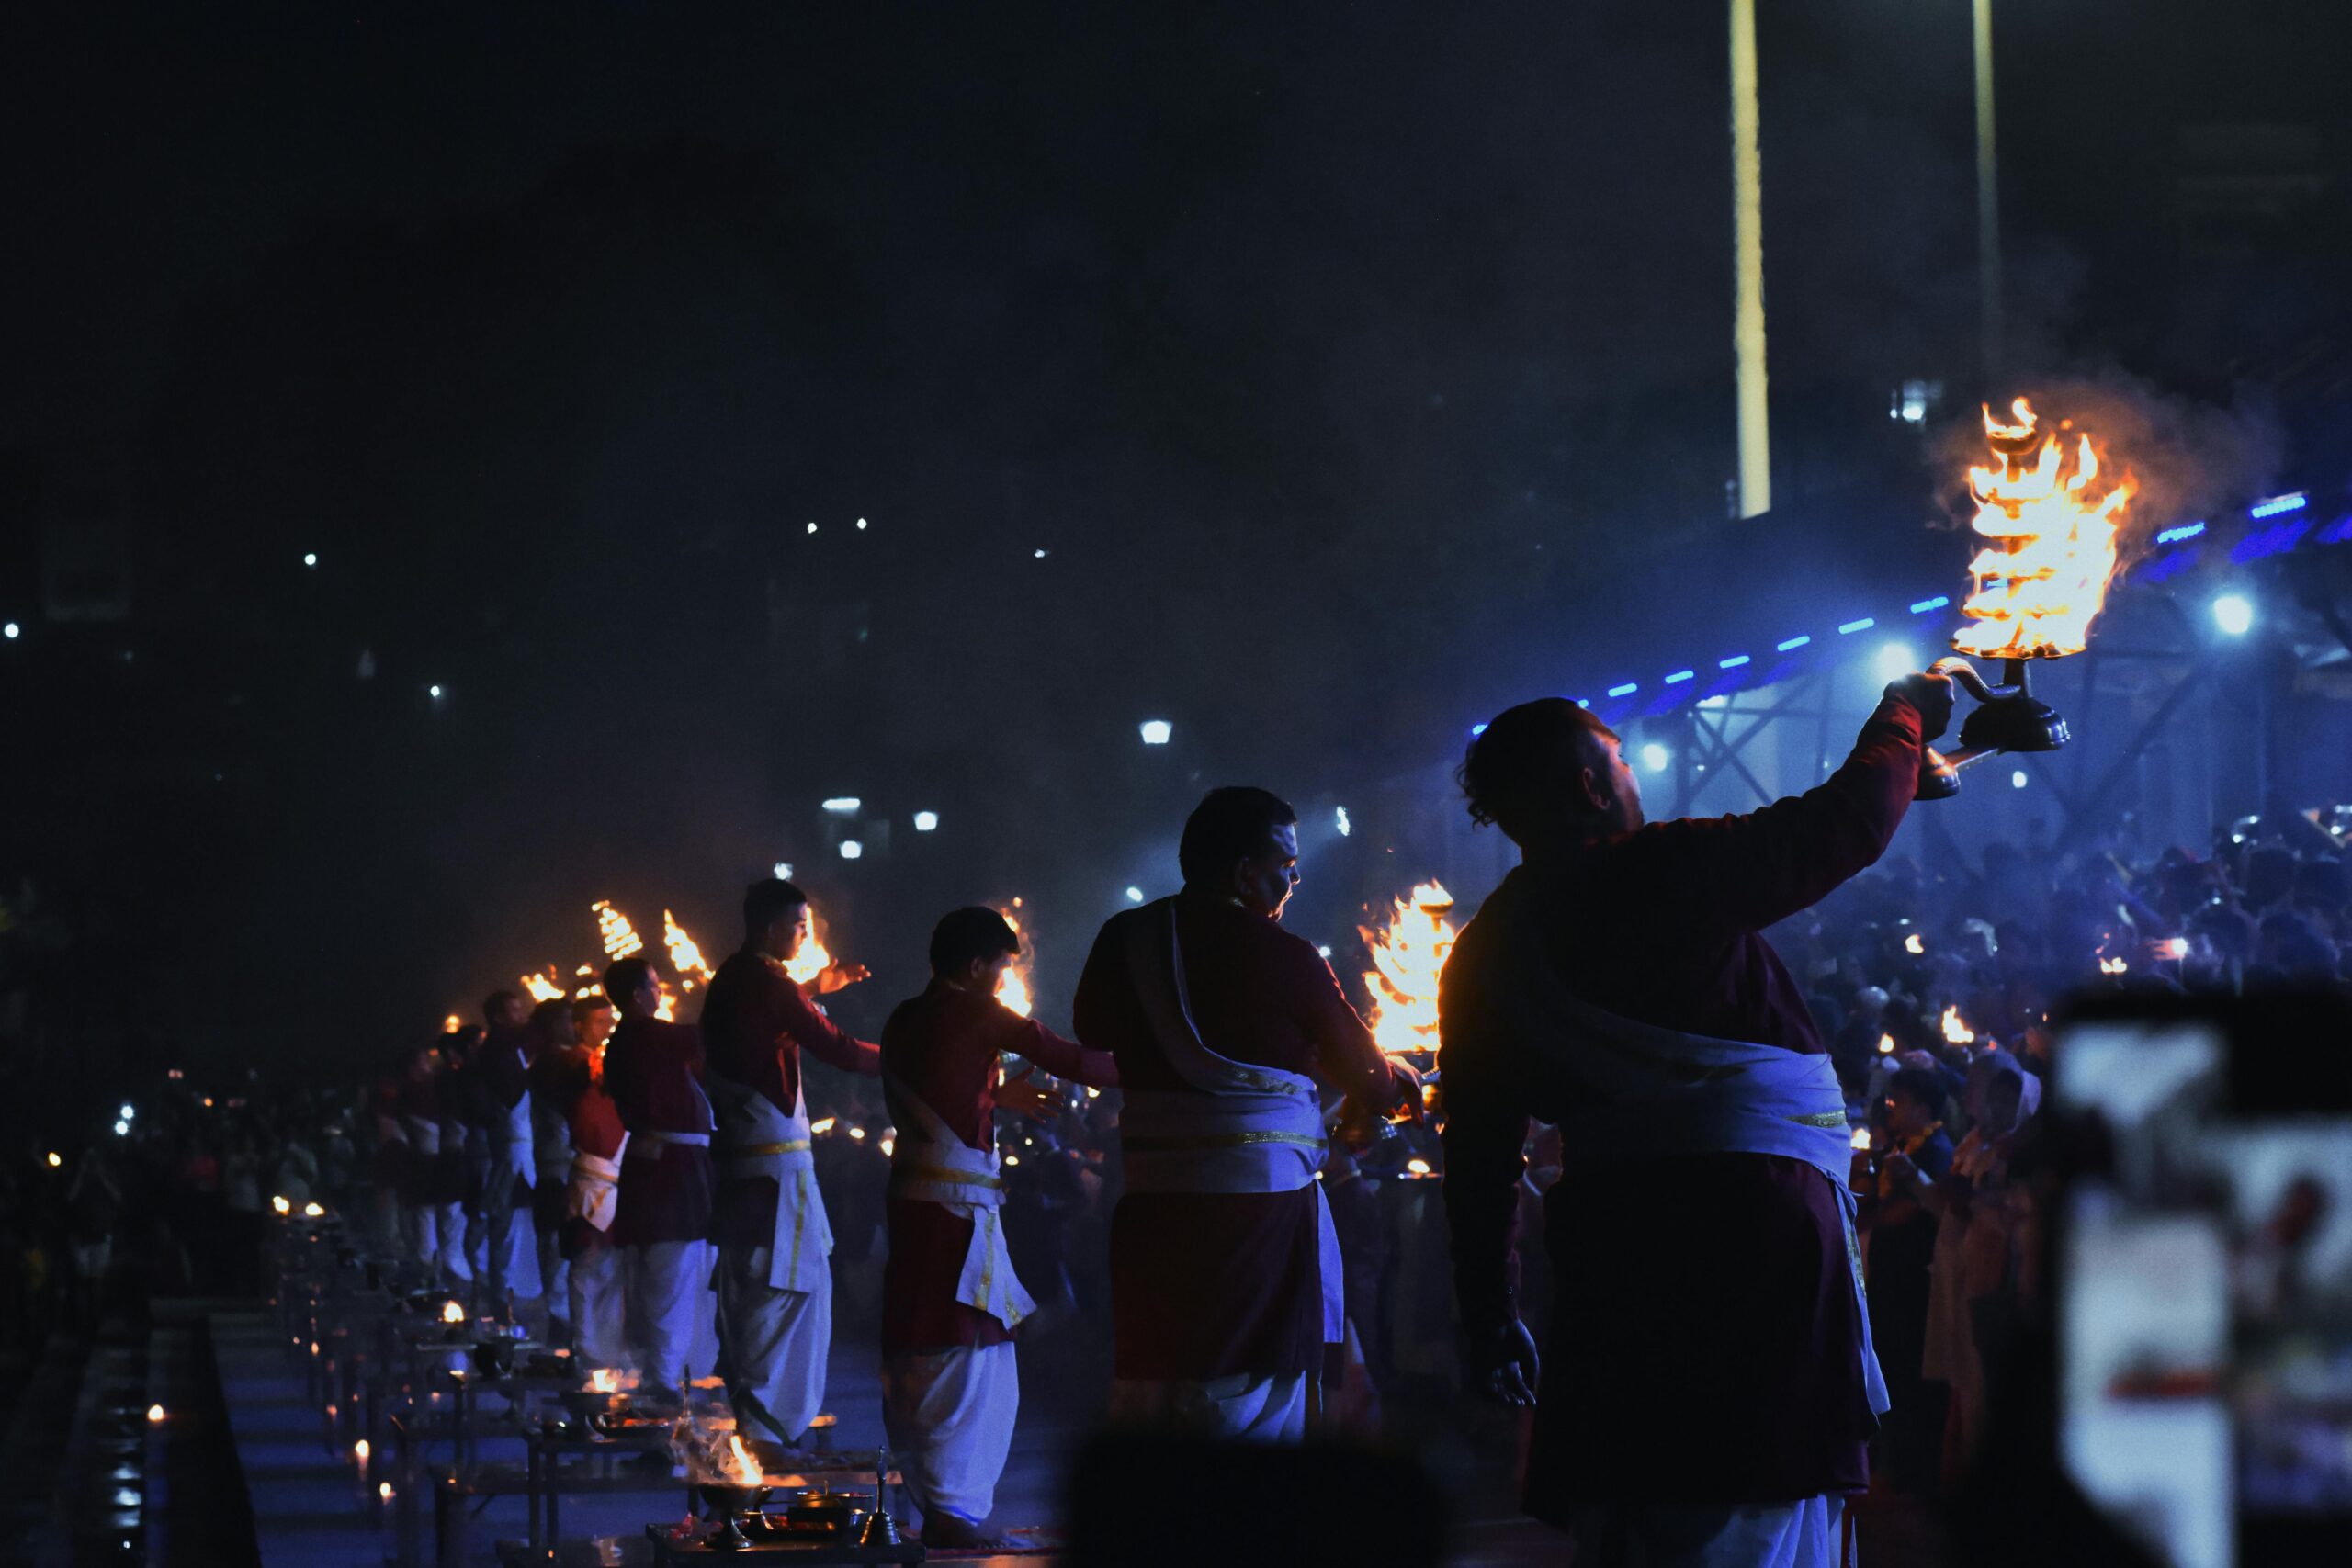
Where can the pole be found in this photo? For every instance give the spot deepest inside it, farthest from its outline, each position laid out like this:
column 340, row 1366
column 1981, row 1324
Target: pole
column 1747, row 266
column 1988, row 199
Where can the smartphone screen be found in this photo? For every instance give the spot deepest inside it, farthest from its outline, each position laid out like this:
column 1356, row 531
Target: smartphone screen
column 2204, row 1311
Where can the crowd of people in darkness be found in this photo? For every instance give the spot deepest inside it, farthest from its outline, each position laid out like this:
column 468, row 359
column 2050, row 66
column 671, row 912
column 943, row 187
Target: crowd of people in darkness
column 171, row 1200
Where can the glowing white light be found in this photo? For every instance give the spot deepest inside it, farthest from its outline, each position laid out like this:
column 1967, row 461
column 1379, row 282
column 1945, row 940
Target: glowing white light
column 843, row 805
column 1039, row 555
column 2017, row 779
column 1654, row 757
column 433, row 691
column 1135, row 894
column 851, row 849
column 55, row 1159
column 1346, row 826
column 812, row 527
column 122, row 1128
column 12, row 631
column 926, row 821
column 1324, row 951
column 783, row 870
column 1895, row 660
column 1156, row 731
column 861, row 524
column 311, row 558
column 154, row 1413
column 2234, row 612
column 127, row 1113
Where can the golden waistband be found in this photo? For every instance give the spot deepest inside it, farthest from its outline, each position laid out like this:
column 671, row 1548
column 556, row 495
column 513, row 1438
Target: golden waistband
column 763, row 1151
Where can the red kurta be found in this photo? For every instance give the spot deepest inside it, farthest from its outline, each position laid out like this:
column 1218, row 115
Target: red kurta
column 653, row 1070
column 757, row 1020
column 944, row 1045
column 1215, row 1284
column 1704, row 1343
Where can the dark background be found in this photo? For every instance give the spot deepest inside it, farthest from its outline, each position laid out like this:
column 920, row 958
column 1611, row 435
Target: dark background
column 1336, row 356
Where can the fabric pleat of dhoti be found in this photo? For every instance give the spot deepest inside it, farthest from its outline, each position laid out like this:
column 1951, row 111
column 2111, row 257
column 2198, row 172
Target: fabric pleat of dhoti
column 1240, row 1407
column 1809, row 1533
column 598, row 1299
column 665, row 1282
column 772, row 1343
column 949, row 1416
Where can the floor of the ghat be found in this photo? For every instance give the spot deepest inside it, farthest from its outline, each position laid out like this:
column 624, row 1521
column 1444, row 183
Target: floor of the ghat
column 211, row 1435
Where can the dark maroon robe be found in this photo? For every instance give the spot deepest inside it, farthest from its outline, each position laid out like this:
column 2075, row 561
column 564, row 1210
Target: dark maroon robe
column 756, row 1020
column 654, row 1072
column 1208, row 1285
column 1704, row 1345
column 944, row 1046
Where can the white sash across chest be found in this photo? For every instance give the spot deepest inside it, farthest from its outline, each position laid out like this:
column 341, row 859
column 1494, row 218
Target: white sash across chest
column 754, row 1138
column 1240, row 1128
column 929, row 1164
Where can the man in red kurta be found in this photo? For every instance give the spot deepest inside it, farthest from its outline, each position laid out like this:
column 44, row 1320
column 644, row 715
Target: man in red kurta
column 1228, row 1031
column 950, row 1302
column 1708, row 1389
column 774, row 1284
column 653, row 1071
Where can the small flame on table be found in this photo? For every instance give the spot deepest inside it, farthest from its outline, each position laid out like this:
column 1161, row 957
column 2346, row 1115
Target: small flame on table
column 452, row 1313
column 1956, row 1029
column 742, row 1469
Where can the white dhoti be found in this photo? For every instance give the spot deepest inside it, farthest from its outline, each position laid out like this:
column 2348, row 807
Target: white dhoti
column 949, row 1416
column 421, row 1231
column 593, row 1288
column 421, row 1222
column 664, row 1281
column 1806, row 1534
column 1241, row 1408
column 950, row 1411
column 514, row 1256
column 772, row 1344
column 596, row 1286
column 775, row 1303
column 449, row 1235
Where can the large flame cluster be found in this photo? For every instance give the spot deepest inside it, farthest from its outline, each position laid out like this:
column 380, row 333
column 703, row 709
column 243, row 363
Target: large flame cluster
column 1408, row 954
column 2051, row 525
column 618, row 936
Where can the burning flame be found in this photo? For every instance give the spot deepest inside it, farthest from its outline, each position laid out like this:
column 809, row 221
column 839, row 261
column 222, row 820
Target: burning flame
column 283, row 1205
column 603, row 1380
column 2051, row 526
column 685, row 956
column 543, row 987
column 1407, row 960
column 451, row 1024
column 2112, row 966
column 620, row 938
column 1862, row 1140
column 1013, row 989
column 1913, row 944
column 314, row 1212
column 452, row 1313
column 812, row 960
column 1956, row 1029
column 742, row 1469
column 1886, row 1045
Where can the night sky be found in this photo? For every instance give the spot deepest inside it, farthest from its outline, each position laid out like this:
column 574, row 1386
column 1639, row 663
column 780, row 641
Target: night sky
column 1292, row 373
